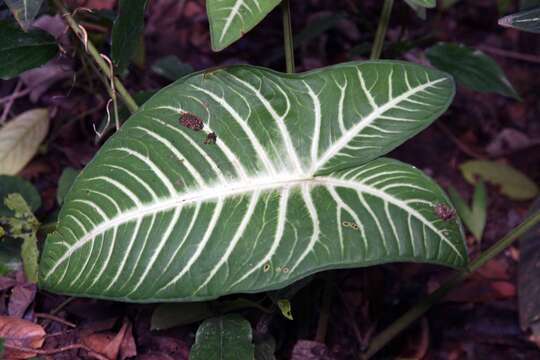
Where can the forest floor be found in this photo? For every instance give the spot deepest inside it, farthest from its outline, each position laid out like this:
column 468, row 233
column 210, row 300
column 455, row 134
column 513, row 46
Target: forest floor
column 479, row 320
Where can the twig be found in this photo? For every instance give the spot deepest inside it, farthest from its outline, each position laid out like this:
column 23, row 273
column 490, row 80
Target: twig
column 510, row 54
column 57, row 350
column 55, row 318
column 91, row 49
column 424, row 305
column 9, row 103
column 328, row 293
column 462, row 146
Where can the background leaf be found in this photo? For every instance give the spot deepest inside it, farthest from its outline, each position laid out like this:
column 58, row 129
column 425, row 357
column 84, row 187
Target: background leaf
column 423, row 3
column 22, row 51
column 473, row 217
column 528, row 20
column 10, row 259
column 471, row 68
column 20, row 333
column 231, row 19
column 171, row 68
column 219, row 338
column 529, row 277
column 24, row 11
column 126, row 32
column 20, row 139
column 64, row 183
column 167, row 316
column 291, row 168
column 511, row 182
column 15, row 184
column 26, row 231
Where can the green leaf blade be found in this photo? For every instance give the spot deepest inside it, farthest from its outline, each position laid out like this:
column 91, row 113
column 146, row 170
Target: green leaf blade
column 24, row 11
column 471, row 68
column 528, row 20
column 23, row 51
column 126, row 32
column 265, row 205
column 220, row 338
column 231, row 19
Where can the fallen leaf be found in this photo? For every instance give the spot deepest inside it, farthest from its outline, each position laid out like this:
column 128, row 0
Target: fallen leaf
column 20, row 139
column 512, row 183
column 108, row 343
column 311, row 350
column 20, row 333
column 21, row 298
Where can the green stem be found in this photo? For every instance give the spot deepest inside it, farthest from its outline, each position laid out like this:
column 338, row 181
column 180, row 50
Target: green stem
column 124, row 94
column 324, row 317
column 288, row 44
column 424, row 305
column 381, row 30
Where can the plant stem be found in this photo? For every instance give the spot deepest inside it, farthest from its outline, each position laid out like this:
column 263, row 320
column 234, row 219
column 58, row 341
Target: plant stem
column 381, row 30
column 288, row 36
column 324, row 316
column 424, row 305
column 124, row 94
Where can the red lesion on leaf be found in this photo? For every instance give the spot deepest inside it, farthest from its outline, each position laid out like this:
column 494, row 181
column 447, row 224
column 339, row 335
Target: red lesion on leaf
column 211, row 138
column 445, row 212
column 191, row 121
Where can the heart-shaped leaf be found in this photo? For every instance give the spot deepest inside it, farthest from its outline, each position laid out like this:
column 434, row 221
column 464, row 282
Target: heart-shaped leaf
column 231, row 19
column 220, row 338
column 279, row 183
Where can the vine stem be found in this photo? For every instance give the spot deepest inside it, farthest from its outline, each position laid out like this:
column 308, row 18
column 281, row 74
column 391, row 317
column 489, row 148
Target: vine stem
column 288, row 44
column 381, row 30
column 94, row 53
column 424, row 305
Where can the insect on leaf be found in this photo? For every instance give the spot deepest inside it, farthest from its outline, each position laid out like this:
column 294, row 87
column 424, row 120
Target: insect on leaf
column 291, row 186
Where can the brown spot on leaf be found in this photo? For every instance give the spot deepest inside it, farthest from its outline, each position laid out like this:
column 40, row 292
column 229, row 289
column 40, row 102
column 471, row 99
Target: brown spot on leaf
column 211, row 138
column 191, row 121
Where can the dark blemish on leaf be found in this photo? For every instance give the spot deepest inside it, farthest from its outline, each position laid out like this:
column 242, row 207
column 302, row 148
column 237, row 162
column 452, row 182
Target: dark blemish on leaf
column 191, row 121
column 266, row 267
column 285, row 270
column 444, row 212
column 211, row 138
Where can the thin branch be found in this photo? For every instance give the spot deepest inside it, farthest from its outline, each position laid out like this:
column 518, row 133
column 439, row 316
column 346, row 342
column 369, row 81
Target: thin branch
column 424, row 305
column 89, row 46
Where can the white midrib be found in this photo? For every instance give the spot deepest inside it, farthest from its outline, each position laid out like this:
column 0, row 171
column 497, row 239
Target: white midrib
column 241, row 187
column 345, row 139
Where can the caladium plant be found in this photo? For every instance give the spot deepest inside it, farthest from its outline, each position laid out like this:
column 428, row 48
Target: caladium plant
column 292, row 184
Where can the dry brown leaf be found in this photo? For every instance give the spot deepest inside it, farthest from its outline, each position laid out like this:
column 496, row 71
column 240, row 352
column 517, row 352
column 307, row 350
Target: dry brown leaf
column 107, row 343
column 21, row 298
column 20, row 333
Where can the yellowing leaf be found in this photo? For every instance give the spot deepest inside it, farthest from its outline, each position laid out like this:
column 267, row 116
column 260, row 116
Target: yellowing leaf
column 512, row 182
column 20, row 139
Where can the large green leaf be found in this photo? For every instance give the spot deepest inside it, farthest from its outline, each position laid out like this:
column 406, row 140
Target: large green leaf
column 528, row 20
column 22, row 51
column 288, row 189
column 231, row 19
